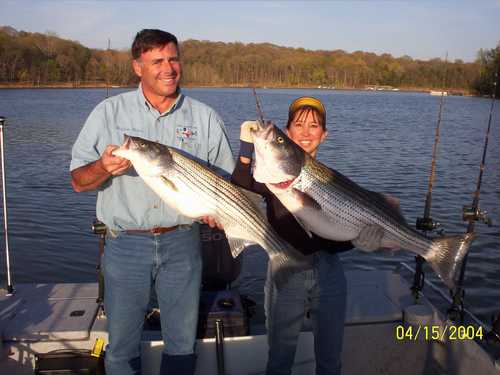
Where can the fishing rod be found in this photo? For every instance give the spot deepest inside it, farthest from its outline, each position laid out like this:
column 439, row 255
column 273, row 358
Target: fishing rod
column 107, row 69
column 426, row 223
column 259, row 108
column 472, row 214
column 10, row 287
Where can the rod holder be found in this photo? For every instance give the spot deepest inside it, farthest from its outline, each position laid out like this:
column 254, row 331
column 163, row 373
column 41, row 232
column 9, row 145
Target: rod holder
column 219, row 346
column 456, row 311
column 494, row 335
column 418, row 278
column 99, row 228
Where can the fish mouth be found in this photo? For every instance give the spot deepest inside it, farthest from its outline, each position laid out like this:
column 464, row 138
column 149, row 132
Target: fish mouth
column 127, row 141
column 126, row 145
column 284, row 184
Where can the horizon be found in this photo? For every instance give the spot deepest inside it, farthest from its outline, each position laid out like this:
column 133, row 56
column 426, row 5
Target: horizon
column 423, row 30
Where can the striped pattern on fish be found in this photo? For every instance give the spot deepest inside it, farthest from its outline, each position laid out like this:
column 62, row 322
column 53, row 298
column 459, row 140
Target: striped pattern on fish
column 334, row 207
column 226, row 202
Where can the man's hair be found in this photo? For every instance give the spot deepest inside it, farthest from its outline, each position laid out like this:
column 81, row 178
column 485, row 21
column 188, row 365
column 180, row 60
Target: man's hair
column 147, row 39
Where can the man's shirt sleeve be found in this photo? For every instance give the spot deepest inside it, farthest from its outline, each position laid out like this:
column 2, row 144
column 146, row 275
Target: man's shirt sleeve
column 220, row 154
column 89, row 144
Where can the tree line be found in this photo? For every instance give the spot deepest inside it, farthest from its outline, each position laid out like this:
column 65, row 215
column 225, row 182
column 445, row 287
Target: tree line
column 43, row 59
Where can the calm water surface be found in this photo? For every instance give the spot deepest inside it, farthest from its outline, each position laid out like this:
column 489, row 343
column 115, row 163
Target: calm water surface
column 381, row 140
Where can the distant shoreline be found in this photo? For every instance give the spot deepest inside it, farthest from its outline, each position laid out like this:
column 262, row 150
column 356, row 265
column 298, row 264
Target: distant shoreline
column 460, row 92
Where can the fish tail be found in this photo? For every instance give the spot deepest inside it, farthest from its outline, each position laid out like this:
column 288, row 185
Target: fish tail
column 446, row 256
column 285, row 264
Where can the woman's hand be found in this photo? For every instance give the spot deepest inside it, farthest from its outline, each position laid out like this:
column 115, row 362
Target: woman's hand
column 247, row 129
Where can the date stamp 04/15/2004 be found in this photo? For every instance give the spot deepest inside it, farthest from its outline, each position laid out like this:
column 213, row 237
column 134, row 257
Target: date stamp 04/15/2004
column 437, row 332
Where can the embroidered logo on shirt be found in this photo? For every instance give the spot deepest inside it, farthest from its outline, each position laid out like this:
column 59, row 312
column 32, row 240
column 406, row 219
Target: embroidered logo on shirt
column 186, row 133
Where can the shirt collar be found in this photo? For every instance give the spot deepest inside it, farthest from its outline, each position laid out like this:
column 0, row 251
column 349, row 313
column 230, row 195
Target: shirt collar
column 143, row 101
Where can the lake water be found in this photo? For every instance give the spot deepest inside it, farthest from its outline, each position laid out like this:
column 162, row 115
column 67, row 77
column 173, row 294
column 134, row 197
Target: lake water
column 382, row 140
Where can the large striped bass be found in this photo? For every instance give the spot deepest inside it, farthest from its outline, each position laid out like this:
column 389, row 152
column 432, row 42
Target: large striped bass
column 332, row 206
column 196, row 191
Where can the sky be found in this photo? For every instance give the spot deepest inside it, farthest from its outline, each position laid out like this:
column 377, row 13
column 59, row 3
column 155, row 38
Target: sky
column 421, row 29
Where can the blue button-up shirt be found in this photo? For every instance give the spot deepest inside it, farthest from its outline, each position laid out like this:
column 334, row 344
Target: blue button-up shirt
column 126, row 202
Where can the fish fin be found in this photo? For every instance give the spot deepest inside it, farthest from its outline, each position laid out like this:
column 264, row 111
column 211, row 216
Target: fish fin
column 392, row 203
column 284, row 265
column 237, row 245
column 169, row 183
column 370, row 238
column 446, row 256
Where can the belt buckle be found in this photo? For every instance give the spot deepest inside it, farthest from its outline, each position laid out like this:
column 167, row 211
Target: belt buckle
column 157, row 231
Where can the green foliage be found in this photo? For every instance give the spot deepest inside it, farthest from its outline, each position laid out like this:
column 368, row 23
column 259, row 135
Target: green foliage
column 489, row 62
column 38, row 59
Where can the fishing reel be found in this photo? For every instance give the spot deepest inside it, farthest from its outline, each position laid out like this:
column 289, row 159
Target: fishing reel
column 469, row 214
column 427, row 224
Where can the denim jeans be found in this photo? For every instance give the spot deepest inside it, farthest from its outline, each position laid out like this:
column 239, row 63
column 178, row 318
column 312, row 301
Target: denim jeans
column 135, row 263
column 323, row 289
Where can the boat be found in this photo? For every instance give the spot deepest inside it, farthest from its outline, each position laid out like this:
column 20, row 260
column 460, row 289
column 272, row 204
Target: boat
column 380, row 333
column 438, row 93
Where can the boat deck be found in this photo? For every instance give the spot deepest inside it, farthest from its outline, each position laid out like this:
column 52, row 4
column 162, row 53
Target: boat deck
column 43, row 317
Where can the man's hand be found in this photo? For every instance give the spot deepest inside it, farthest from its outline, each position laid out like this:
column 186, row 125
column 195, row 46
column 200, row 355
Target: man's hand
column 91, row 176
column 247, row 129
column 210, row 221
column 115, row 165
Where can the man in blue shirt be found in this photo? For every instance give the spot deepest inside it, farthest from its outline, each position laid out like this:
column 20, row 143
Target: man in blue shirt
column 149, row 244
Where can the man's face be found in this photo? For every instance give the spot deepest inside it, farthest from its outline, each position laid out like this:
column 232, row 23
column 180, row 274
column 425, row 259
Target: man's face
column 160, row 71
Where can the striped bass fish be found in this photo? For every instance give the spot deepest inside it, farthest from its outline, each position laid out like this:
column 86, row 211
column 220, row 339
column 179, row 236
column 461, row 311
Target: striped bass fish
column 195, row 191
column 332, row 206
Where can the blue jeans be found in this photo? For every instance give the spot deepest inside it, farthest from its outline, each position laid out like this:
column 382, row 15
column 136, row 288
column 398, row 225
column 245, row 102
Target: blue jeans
column 323, row 288
column 135, row 263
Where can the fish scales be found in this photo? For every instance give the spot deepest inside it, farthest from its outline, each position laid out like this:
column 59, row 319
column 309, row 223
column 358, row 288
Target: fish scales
column 351, row 201
column 229, row 209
